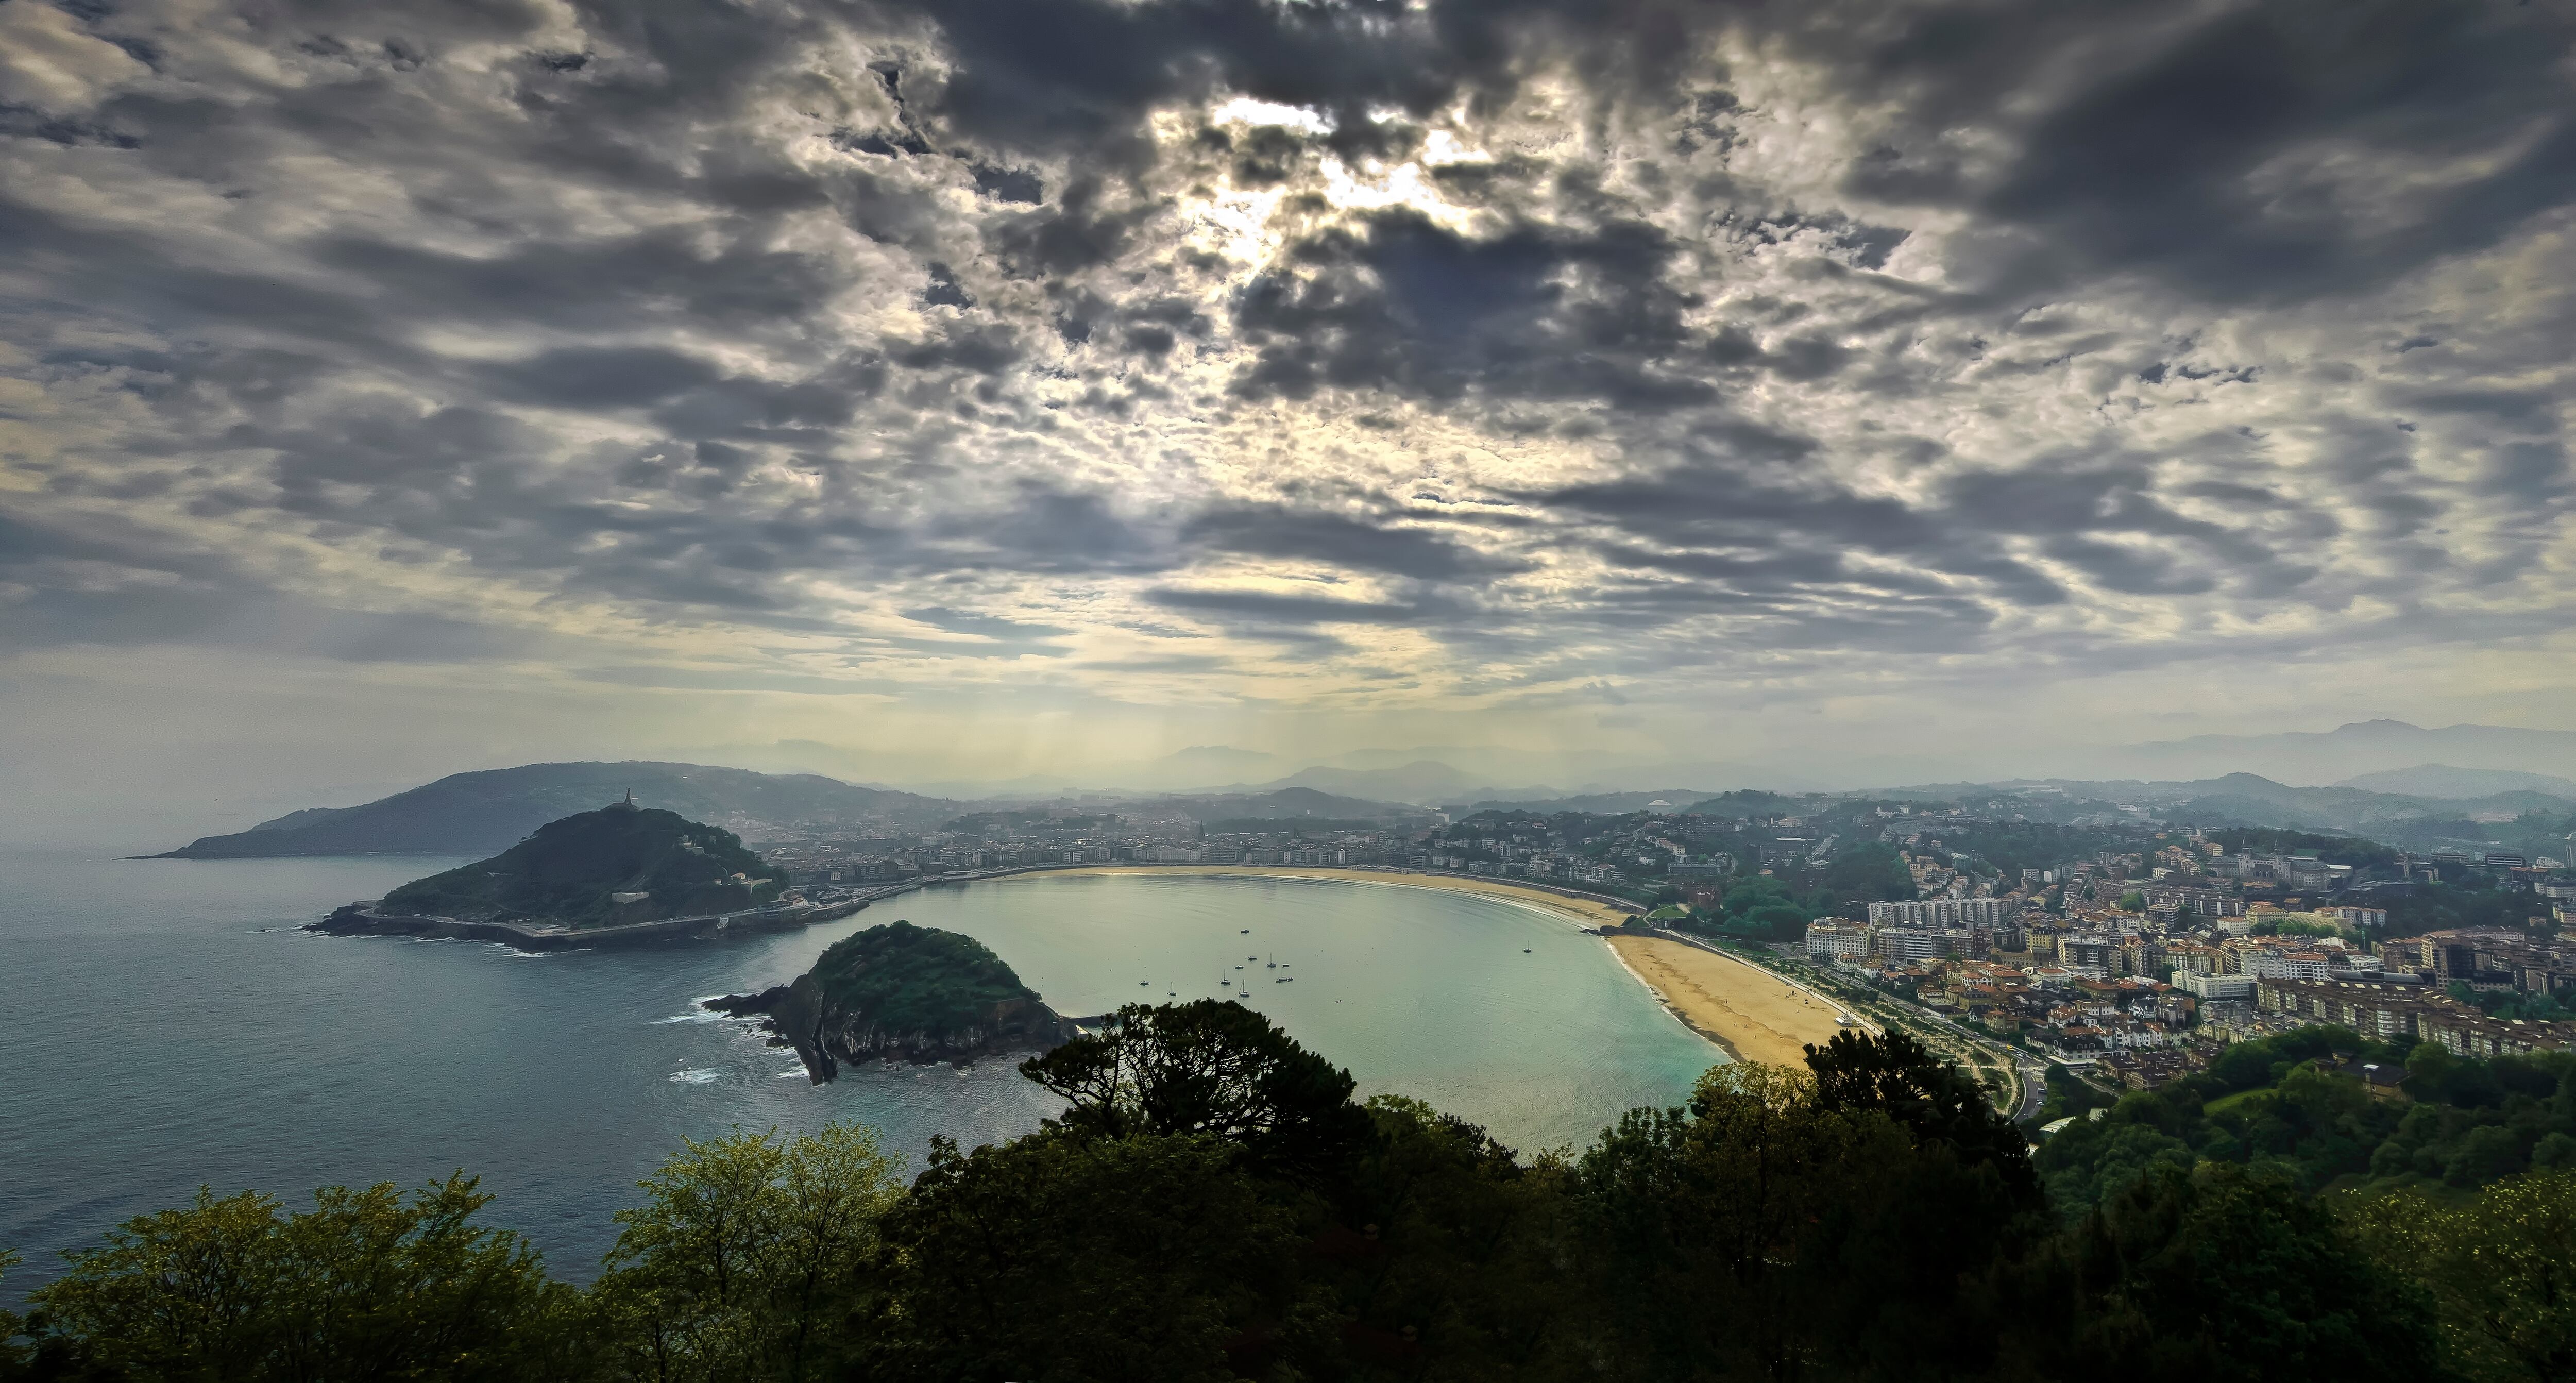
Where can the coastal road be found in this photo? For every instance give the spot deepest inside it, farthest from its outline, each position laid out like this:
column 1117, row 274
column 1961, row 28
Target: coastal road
column 2030, row 1082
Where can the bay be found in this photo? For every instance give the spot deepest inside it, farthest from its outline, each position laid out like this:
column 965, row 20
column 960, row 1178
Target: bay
column 165, row 1025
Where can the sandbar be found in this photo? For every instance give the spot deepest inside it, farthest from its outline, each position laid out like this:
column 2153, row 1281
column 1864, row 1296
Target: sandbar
column 1752, row 1013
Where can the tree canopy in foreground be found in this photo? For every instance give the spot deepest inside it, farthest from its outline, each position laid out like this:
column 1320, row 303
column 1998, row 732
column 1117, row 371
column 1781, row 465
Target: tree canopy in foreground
column 1212, row 1204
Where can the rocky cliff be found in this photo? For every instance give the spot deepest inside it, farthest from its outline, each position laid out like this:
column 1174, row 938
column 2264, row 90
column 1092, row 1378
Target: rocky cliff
column 905, row 993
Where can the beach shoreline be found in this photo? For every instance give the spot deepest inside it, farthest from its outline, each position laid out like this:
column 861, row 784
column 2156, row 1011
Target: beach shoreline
column 1750, row 1012
column 1743, row 1010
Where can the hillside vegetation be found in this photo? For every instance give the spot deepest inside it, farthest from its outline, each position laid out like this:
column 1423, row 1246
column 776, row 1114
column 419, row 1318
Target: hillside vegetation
column 2293, row 1106
column 568, row 870
column 1213, row 1205
column 916, row 978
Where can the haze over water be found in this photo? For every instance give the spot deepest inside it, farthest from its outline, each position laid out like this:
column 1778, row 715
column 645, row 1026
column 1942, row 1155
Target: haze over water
column 167, row 1025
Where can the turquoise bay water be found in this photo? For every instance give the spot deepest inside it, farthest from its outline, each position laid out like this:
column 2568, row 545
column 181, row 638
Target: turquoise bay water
column 164, row 1024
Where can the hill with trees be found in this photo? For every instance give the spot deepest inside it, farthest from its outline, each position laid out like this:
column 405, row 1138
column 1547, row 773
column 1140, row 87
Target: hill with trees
column 616, row 865
column 907, row 992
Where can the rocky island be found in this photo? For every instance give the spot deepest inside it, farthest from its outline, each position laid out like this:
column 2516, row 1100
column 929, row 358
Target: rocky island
column 903, row 992
column 617, row 876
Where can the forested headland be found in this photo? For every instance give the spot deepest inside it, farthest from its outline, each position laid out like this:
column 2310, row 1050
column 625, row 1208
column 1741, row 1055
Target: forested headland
column 1213, row 1204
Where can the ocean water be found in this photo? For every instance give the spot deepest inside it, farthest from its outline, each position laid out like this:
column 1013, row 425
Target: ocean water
column 164, row 1025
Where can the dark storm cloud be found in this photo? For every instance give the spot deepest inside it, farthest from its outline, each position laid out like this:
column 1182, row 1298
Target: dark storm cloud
column 1405, row 306
column 1935, row 327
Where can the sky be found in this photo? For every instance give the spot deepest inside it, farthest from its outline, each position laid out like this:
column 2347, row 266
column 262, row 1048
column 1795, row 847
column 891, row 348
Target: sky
column 968, row 389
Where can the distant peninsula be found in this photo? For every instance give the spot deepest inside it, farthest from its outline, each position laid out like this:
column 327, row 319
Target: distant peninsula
column 905, row 993
column 483, row 812
column 621, row 874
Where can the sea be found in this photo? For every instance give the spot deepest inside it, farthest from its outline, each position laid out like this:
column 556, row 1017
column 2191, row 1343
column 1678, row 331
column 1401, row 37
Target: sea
column 167, row 1025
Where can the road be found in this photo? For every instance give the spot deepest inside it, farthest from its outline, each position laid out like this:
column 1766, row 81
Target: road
column 2027, row 1077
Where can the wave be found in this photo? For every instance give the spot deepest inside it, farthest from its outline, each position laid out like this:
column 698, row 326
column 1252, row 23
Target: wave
column 694, row 1075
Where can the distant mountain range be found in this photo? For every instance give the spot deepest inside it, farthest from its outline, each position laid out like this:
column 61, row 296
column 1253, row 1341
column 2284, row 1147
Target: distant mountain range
column 2442, row 780
column 2378, row 779
column 487, row 812
column 2347, row 752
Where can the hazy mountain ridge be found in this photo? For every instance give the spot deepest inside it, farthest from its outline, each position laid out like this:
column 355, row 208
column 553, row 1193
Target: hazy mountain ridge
column 2447, row 782
column 2347, row 751
column 484, row 812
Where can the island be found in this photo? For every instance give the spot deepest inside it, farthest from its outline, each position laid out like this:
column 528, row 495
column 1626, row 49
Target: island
column 621, row 875
column 901, row 992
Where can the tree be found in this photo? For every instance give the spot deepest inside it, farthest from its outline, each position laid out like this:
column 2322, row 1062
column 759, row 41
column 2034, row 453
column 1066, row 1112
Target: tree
column 1453, row 1257
column 750, row 1258
column 364, row 1285
column 2225, row 1274
column 1069, row 1254
column 1209, row 1067
column 2501, row 1270
column 1930, row 1098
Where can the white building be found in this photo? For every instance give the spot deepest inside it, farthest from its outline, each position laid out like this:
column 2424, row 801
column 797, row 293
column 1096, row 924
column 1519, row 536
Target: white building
column 1832, row 941
column 1939, row 912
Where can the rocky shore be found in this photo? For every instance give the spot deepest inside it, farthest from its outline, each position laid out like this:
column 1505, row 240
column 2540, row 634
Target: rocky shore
column 825, row 1035
column 362, row 919
column 902, row 993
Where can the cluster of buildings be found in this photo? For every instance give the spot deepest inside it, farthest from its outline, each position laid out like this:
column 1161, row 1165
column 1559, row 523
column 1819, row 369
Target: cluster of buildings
column 2144, row 963
column 1630, row 852
column 2385, row 1010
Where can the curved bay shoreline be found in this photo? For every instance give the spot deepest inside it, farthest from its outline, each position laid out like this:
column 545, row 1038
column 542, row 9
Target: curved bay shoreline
column 1742, row 1009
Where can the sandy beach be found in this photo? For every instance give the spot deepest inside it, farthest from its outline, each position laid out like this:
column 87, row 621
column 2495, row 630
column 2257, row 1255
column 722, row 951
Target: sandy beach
column 1742, row 1008
column 1750, row 1012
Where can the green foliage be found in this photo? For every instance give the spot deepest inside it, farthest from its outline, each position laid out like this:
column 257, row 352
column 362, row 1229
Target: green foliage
column 2226, row 1274
column 1759, row 908
column 2132, row 901
column 1213, row 1068
column 752, row 1258
column 2015, row 846
column 2500, row 1269
column 2259, row 840
column 363, row 1285
column 2537, row 1008
column 1074, row 1256
column 909, row 978
column 1746, row 802
column 567, row 870
column 2294, row 926
column 2441, row 907
column 2274, row 1103
column 1935, row 1102
column 1868, row 873
column 1212, row 1206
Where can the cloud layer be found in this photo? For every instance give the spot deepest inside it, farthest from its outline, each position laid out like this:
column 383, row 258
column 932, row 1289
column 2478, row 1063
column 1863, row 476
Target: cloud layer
column 1434, row 355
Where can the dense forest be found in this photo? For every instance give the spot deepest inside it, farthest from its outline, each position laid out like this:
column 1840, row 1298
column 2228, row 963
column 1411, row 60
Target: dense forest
column 1212, row 1204
column 916, row 978
column 2292, row 1107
